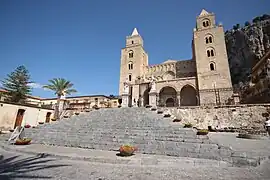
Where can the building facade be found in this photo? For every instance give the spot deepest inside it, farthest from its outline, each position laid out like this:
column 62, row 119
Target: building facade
column 202, row 80
column 258, row 90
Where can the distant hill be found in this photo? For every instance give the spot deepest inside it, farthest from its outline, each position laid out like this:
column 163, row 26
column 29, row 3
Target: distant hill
column 246, row 44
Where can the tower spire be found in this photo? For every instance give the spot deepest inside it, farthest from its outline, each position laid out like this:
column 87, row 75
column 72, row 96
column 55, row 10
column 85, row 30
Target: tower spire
column 204, row 12
column 135, row 32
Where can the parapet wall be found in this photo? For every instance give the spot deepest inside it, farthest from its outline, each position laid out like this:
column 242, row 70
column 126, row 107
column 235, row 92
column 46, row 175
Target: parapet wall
column 222, row 116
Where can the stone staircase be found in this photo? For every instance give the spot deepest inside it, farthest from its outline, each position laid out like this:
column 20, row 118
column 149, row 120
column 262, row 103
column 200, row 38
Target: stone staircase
column 108, row 129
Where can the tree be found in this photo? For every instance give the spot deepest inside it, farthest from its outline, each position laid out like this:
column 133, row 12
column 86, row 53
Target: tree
column 247, row 23
column 17, row 85
column 61, row 87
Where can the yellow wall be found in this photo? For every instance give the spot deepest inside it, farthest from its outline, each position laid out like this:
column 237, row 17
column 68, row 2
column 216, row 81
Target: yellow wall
column 32, row 115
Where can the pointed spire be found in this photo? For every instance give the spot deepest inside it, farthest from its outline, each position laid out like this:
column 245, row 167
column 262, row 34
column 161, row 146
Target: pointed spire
column 135, row 32
column 204, row 12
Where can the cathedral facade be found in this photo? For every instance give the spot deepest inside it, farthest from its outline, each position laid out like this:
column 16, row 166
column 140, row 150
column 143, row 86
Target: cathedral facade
column 203, row 80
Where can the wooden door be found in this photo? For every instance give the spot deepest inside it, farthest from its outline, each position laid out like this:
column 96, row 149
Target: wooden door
column 19, row 118
column 48, row 117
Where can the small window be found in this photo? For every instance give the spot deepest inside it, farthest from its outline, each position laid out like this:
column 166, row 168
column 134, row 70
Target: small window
column 130, row 65
column 129, row 77
column 130, row 54
column 132, row 42
column 210, row 53
column 212, row 66
column 208, row 39
column 206, row 23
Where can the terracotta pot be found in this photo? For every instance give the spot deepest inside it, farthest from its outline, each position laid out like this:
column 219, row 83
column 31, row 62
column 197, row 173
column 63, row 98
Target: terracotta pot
column 23, row 141
column 27, row 126
column 127, row 150
column 40, row 122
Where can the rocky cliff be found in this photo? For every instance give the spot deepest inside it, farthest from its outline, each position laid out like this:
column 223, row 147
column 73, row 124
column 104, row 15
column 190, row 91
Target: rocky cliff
column 246, row 45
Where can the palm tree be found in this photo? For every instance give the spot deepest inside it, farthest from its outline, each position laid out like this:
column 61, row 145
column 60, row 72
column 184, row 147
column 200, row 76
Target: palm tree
column 61, row 87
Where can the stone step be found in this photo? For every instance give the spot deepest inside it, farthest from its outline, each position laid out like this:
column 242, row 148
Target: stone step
column 135, row 139
column 120, row 134
column 180, row 149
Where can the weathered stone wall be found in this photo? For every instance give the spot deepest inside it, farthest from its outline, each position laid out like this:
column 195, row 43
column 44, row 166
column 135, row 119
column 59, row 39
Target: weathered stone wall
column 229, row 116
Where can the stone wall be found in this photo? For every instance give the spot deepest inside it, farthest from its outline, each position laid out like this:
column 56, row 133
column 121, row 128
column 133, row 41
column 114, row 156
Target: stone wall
column 229, row 116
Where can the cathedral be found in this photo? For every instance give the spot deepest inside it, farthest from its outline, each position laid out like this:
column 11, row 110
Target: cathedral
column 202, row 80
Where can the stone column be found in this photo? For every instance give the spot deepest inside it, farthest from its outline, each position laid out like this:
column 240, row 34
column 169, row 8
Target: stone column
column 125, row 100
column 178, row 99
column 153, row 99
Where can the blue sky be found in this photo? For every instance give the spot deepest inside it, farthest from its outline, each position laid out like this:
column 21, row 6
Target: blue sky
column 81, row 40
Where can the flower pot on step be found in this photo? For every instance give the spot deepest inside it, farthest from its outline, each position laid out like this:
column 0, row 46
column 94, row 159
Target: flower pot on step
column 23, row 141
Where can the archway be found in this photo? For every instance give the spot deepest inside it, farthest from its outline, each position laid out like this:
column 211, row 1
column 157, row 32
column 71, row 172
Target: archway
column 168, row 97
column 146, row 97
column 170, row 102
column 188, row 96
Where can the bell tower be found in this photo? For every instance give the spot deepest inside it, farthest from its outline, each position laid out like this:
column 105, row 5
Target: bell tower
column 134, row 60
column 213, row 73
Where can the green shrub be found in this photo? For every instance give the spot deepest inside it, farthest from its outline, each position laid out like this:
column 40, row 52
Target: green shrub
column 188, row 125
column 202, row 132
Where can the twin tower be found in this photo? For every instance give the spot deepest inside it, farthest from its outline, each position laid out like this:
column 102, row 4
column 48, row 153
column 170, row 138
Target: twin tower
column 204, row 79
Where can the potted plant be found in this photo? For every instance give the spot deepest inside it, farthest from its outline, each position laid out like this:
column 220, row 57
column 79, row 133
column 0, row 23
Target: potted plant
column 40, row 122
column 27, row 126
column 167, row 115
column 153, row 109
column 159, row 111
column 202, row 132
column 77, row 113
column 127, row 150
column 53, row 119
column 23, row 141
column 188, row 125
column 177, row 120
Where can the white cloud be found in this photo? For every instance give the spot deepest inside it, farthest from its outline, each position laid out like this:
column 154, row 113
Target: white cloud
column 36, row 85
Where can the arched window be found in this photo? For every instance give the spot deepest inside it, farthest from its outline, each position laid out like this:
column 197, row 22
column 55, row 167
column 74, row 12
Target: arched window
column 206, row 23
column 130, row 54
column 209, row 39
column 210, row 53
column 206, row 40
column 212, row 66
column 132, row 42
column 130, row 65
column 129, row 77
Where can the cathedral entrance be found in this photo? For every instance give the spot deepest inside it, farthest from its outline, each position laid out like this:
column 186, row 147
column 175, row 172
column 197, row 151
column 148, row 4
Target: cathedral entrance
column 170, row 102
column 188, row 96
column 146, row 97
column 167, row 97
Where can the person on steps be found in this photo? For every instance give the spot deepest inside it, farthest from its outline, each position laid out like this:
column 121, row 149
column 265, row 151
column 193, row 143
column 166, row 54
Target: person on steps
column 267, row 125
